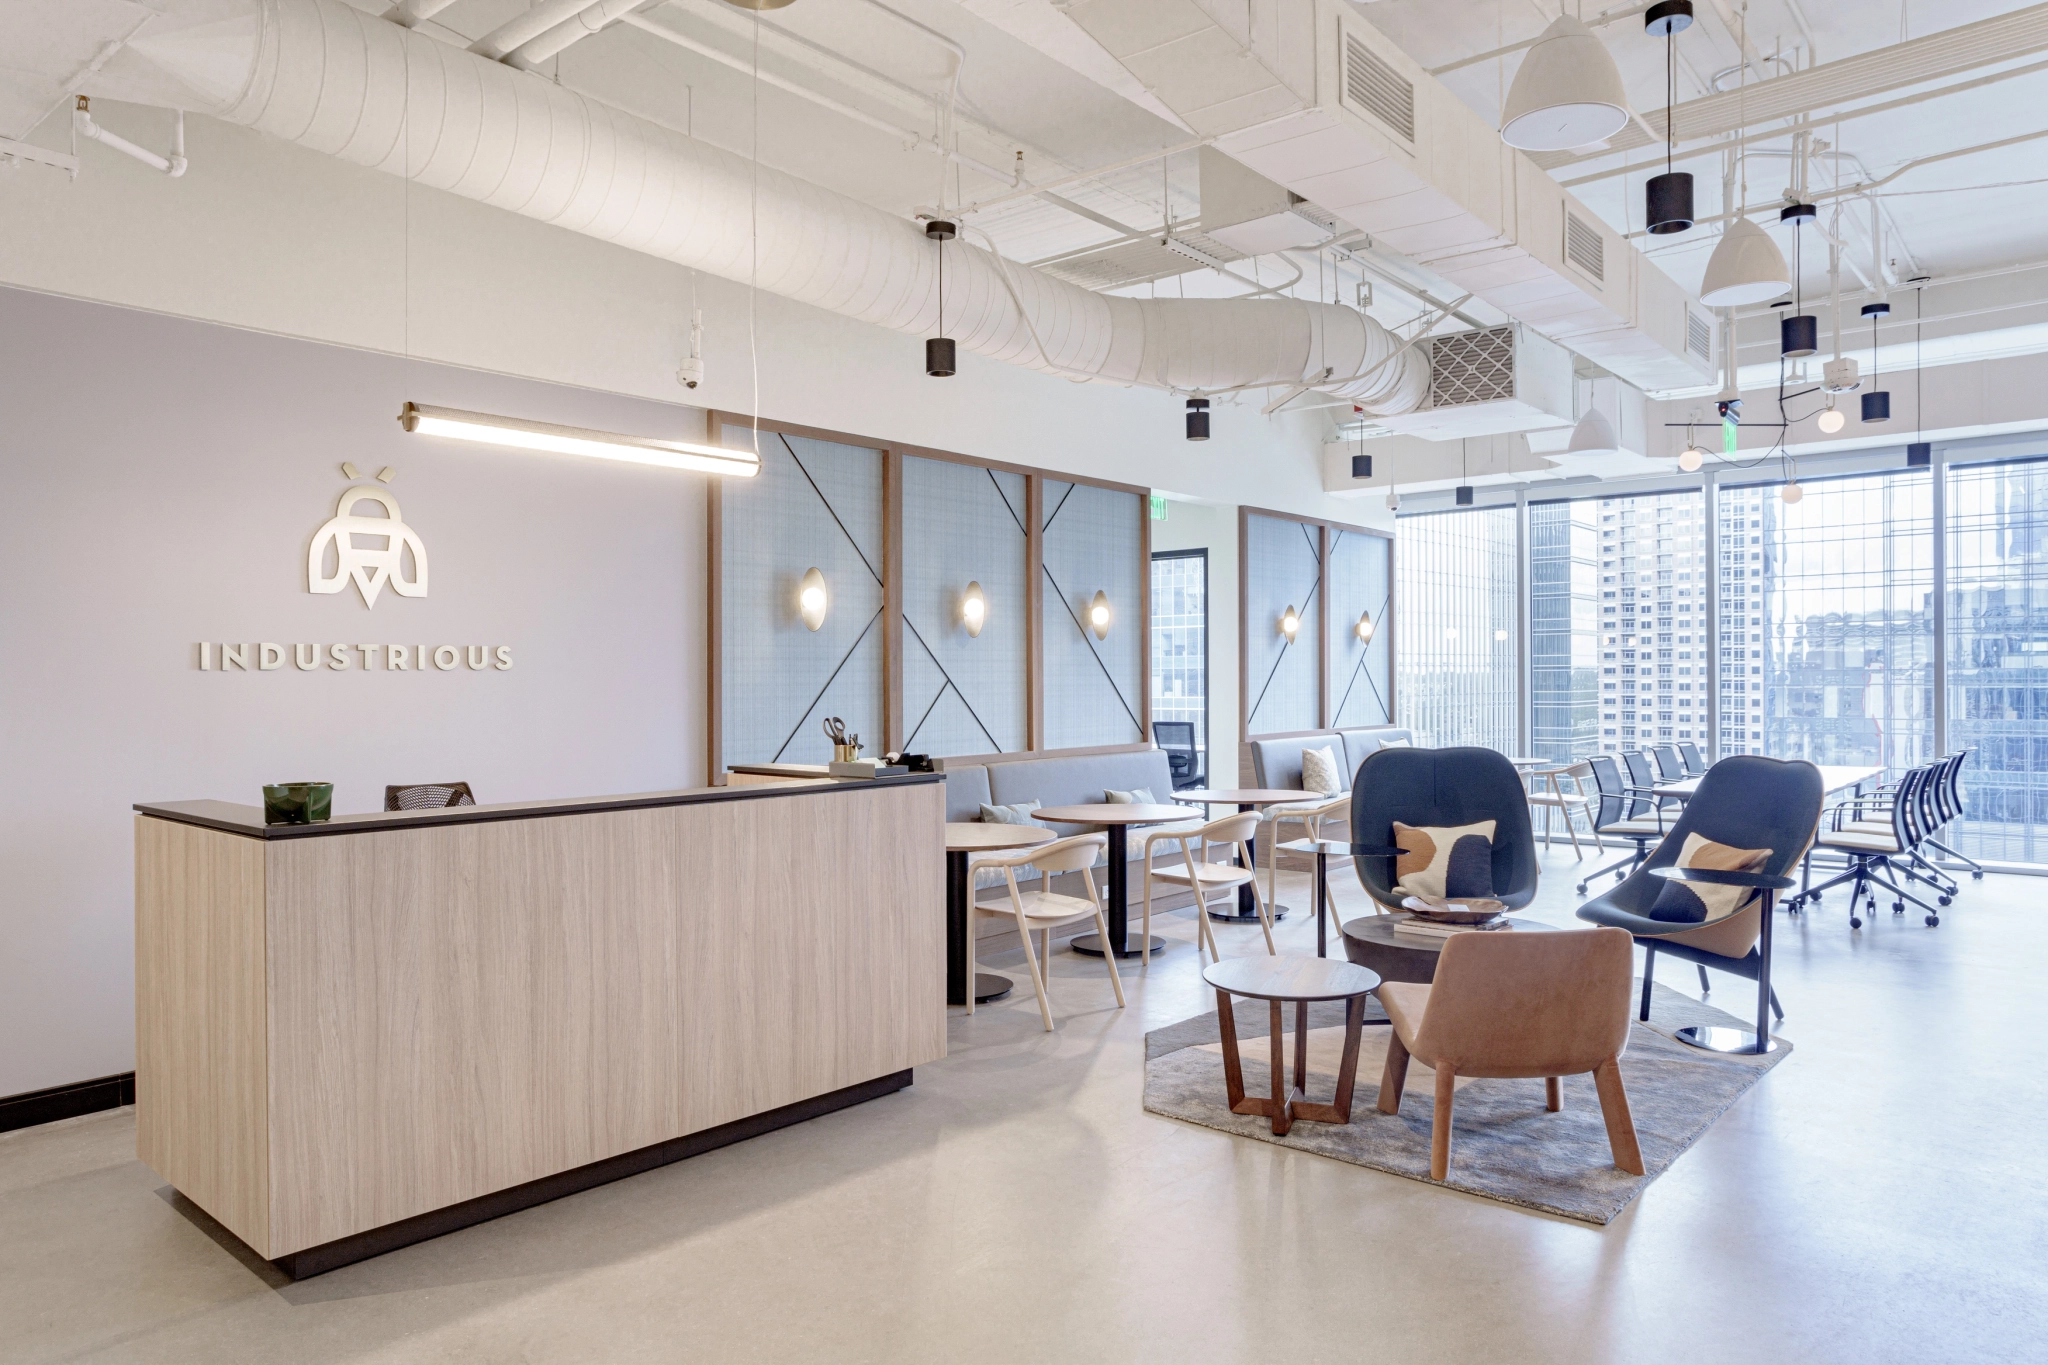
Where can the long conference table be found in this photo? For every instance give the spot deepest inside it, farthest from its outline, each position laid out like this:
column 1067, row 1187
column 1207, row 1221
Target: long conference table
column 1832, row 780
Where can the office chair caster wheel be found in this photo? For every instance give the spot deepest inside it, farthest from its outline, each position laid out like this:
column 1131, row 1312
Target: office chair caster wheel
column 1976, row 876
column 1619, row 875
column 1855, row 923
column 1933, row 920
column 1898, row 907
column 1946, row 899
column 1582, row 888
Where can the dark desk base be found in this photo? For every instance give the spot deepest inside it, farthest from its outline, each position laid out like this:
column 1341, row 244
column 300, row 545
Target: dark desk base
column 1134, row 944
column 362, row 1246
column 988, row 986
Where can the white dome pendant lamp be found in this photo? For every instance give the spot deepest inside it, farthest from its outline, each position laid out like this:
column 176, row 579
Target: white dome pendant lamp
column 1746, row 267
column 1593, row 435
column 1567, row 92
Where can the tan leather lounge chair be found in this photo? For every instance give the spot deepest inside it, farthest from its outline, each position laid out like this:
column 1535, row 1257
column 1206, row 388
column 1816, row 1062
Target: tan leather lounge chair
column 1518, row 1005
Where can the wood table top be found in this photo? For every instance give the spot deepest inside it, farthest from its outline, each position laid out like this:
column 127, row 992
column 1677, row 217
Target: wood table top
column 1106, row 813
column 973, row 836
column 1246, row 796
column 1290, row 978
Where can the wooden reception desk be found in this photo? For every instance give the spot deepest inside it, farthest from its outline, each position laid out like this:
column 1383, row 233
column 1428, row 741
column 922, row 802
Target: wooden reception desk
column 358, row 1034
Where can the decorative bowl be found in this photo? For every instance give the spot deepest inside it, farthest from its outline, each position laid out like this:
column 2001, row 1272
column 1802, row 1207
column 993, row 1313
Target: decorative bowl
column 297, row 803
column 1473, row 910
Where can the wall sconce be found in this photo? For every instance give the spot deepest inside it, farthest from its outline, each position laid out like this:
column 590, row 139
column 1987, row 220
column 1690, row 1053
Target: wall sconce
column 1290, row 622
column 1098, row 615
column 973, row 609
column 811, row 600
column 1364, row 627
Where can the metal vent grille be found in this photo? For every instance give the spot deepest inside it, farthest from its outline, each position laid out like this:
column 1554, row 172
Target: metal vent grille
column 1583, row 246
column 1472, row 367
column 1375, row 87
column 1699, row 335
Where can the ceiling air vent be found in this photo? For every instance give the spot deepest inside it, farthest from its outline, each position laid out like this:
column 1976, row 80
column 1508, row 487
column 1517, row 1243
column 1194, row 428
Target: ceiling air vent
column 1583, row 246
column 1699, row 335
column 1472, row 367
column 1376, row 88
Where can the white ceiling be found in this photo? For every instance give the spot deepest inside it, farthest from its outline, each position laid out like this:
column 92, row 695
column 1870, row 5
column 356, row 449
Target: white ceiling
column 1034, row 82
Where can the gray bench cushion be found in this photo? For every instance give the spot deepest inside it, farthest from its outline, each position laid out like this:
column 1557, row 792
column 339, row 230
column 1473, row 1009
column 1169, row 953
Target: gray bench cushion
column 1079, row 780
column 966, row 791
column 1359, row 745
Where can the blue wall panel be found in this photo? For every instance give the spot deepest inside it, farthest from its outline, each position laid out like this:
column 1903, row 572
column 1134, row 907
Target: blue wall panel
column 1094, row 689
column 962, row 523
column 814, row 504
column 1281, row 570
column 1359, row 582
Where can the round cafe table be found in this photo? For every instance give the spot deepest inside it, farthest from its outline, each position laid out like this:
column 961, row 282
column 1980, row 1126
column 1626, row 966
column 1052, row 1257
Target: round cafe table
column 1298, row 981
column 963, row 839
column 1115, row 820
column 1245, row 798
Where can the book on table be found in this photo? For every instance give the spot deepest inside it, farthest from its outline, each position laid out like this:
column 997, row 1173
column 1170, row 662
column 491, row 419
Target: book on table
column 1430, row 929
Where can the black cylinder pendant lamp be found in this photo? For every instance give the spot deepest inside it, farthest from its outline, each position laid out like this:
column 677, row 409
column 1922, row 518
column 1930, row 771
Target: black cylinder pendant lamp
column 1667, row 198
column 1198, row 419
column 1798, row 335
column 938, row 350
column 1877, row 404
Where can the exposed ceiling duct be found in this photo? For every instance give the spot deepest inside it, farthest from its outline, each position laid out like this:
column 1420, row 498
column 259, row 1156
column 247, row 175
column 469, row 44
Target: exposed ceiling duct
column 1309, row 95
column 328, row 77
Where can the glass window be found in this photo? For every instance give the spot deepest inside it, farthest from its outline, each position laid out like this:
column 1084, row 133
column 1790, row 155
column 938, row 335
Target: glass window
column 1998, row 656
column 1827, row 637
column 1571, row 619
column 1455, row 613
column 1180, row 645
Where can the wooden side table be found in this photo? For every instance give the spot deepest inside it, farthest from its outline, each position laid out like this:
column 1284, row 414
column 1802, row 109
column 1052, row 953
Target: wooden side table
column 1280, row 980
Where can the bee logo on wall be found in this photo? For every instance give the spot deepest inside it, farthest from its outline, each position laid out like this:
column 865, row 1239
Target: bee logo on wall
column 369, row 551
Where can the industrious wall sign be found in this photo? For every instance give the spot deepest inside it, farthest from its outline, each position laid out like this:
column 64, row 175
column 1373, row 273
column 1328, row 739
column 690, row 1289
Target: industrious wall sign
column 374, row 550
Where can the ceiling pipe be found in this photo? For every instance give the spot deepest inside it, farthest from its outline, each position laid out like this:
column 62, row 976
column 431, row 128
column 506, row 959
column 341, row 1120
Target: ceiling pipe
column 409, row 13
column 326, row 76
column 516, row 32
column 565, row 35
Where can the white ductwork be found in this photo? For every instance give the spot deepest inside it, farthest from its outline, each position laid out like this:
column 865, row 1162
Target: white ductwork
column 328, row 77
column 1308, row 94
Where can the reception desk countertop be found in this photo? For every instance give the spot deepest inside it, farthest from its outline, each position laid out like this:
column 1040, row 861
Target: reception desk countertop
column 239, row 819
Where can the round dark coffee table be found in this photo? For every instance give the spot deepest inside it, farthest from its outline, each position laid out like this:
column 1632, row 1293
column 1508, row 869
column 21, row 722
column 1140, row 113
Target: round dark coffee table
column 1372, row 943
column 1297, row 981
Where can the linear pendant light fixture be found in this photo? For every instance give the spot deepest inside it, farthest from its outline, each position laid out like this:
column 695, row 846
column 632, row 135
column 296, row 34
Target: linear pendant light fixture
column 1567, row 92
column 486, row 429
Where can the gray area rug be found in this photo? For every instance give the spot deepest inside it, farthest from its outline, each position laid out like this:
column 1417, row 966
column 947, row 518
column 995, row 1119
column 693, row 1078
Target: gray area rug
column 1505, row 1145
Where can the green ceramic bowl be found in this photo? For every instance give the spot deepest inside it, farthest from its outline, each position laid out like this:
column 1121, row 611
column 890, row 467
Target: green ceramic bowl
column 297, row 803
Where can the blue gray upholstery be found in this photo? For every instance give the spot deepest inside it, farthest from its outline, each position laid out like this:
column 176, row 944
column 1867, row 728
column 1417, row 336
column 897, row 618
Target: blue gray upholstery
column 1079, row 780
column 1441, row 787
column 1360, row 745
column 966, row 791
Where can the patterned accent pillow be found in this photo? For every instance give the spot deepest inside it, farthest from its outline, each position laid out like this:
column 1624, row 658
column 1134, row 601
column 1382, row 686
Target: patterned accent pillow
column 1136, row 796
column 1454, row 863
column 1320, row 772
column 1012, row 815
column 1700, row 902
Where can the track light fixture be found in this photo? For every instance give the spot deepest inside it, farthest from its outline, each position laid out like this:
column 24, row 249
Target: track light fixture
column 1667, row 198
column 938, row 350
column 1198, row 419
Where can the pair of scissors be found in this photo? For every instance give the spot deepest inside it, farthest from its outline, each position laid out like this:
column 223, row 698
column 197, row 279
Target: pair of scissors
column 835, row 730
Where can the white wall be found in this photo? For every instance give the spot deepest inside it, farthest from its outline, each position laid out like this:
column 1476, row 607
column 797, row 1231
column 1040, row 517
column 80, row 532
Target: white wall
column 167, row 478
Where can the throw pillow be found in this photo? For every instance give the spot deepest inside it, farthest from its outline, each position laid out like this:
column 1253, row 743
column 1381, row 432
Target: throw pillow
column 1011, row 815
column 1454, row 863
column 1396, row 744
column 1320, row 772
column 1703, row 902
column 1136, row 796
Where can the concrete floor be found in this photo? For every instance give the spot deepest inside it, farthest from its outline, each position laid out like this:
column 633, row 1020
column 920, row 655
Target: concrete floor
column 1880, row 1197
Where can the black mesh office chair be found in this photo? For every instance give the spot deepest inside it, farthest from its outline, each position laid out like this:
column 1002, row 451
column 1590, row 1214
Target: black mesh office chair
column 1624, row 812
column 1440, row 788
column 1950, row 796
column 1747, row 802
column 1695, row 761
column 428, row 796
column 1176, row 739
column 1670, row 766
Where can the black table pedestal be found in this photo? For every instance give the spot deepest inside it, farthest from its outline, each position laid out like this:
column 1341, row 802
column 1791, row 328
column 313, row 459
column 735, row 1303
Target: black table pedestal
column 959, row 924
column 1247, row 911
column 1117, row 911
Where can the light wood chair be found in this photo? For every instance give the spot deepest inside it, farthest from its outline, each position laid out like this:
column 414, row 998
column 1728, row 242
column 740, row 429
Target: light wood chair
column 1567, row 803
column 1045, row 910
column 1517, row 1005
column 1310, row 816
column 1206, row 879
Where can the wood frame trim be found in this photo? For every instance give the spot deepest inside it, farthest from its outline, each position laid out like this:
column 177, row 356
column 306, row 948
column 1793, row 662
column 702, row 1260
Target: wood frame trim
column 894, row 727
column 1031, row 755
column 714, row 627
column 1034, row 612
column 1145, row 617
column 1324, row 654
